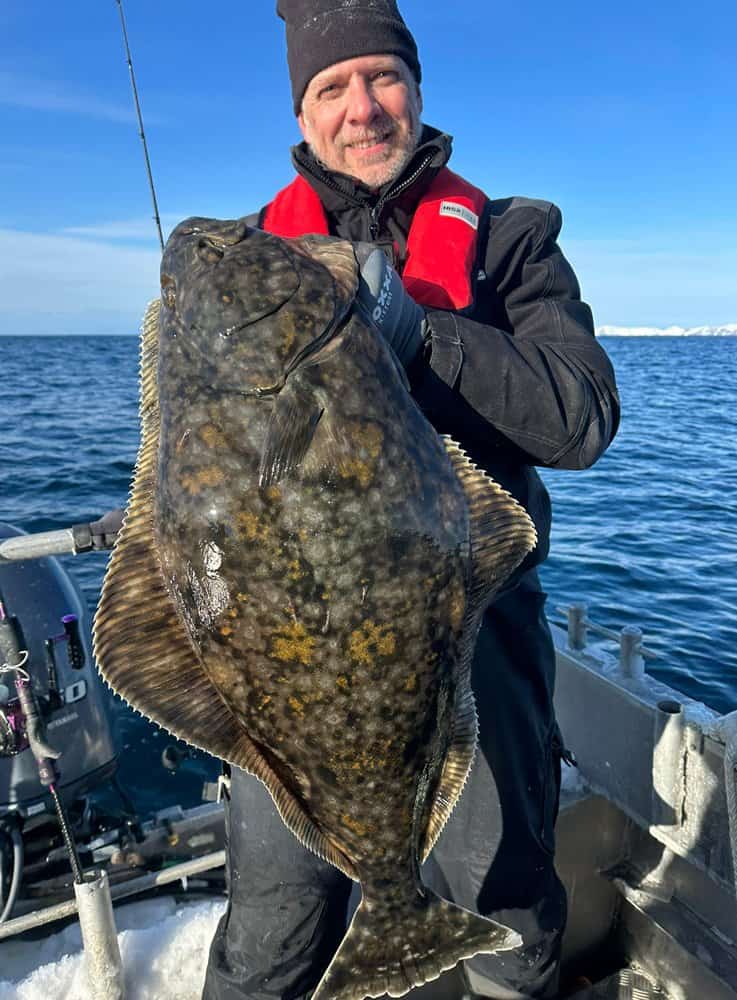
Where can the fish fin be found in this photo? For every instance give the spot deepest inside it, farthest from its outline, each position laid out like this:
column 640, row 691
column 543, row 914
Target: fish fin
column 393, row 949
column 142, row 650
column 295, row 416
column 456, row 766
column 501, row 535
column 502, row 532
column 141, row 647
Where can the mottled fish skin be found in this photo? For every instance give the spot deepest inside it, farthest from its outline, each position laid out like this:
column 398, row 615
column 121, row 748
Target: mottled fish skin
column 328, row 606
column 300, row 575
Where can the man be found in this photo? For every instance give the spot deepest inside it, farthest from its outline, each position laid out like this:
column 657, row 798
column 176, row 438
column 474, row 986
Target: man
column 500, row 354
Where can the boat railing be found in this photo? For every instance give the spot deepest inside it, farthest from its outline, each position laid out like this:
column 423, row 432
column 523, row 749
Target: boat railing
column 675, row 725
column 632, row 653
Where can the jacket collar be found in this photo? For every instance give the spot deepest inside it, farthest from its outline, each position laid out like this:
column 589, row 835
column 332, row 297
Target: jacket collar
column 339, row 191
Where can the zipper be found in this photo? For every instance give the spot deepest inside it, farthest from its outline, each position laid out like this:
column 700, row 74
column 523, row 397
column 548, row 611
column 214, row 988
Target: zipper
column 375, row 213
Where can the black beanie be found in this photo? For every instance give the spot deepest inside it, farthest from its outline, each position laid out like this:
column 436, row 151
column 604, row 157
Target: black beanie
column 323, row 32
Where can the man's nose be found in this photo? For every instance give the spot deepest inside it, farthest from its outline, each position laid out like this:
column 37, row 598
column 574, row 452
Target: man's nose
column 362, row 104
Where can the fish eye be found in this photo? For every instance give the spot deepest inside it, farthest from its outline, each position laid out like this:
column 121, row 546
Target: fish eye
column 209, row 252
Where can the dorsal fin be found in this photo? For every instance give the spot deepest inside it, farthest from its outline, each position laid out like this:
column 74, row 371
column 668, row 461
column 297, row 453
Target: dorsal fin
column 502, row 532
column 141, row 647
column 501, row 535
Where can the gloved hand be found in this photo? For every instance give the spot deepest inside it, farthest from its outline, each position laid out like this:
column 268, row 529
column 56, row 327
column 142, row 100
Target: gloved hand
column 99, row 534
column 106, row 529
column 383, row 301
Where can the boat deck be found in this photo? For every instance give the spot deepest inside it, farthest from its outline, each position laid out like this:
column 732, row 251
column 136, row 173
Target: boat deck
column 623, row 985
column 644, row 838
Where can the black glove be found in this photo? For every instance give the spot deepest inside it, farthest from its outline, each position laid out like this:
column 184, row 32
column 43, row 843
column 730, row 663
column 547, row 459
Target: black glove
column 383, row 301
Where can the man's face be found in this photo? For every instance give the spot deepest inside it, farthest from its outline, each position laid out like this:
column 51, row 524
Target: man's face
column 362, row 117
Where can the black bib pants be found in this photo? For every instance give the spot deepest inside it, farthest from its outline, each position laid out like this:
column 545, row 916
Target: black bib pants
column 288, row 910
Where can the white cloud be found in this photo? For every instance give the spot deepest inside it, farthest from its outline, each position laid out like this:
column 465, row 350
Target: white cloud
column 64, row 284
column 44, row 95
column 125, row 229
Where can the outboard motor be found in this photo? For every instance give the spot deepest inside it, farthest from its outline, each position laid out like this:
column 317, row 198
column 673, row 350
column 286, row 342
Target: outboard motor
column 46, row 611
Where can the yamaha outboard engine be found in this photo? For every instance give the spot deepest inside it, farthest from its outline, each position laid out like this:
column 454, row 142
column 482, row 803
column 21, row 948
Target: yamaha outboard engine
column 47, row 613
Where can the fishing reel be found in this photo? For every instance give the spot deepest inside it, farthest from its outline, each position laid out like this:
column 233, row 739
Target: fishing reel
column 13, row 725
column 22, row 714
column 14, row 734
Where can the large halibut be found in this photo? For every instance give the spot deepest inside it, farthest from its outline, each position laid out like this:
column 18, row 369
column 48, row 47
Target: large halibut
column 300, row 577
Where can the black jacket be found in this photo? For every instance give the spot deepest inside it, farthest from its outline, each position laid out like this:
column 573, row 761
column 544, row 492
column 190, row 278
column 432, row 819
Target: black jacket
column 519, row 378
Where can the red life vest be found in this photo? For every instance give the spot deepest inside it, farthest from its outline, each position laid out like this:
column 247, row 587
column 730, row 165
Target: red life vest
column 441, row 245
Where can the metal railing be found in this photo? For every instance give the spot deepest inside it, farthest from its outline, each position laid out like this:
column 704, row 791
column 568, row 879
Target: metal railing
column 632, row 654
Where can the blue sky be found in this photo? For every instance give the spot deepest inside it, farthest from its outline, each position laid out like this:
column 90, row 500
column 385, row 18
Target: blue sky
column 623, row 114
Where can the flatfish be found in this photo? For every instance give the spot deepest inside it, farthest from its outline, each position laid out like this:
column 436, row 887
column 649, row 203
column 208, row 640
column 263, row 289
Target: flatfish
column 301, row 574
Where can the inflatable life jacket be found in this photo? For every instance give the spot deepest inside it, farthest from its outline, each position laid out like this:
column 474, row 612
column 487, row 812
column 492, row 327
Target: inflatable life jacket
column 441, row 245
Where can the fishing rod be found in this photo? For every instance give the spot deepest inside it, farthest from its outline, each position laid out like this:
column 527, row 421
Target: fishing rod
column 141, row 131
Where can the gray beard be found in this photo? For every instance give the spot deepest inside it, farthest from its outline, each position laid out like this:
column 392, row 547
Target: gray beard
column 414, row 137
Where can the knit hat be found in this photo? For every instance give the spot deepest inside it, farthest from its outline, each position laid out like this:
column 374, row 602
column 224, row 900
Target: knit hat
column 323, row 32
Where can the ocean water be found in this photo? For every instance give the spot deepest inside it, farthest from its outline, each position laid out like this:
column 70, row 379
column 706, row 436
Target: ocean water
column 647, row 537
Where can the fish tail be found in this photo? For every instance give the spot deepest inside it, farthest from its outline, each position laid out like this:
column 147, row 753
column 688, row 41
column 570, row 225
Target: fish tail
column 392, row 949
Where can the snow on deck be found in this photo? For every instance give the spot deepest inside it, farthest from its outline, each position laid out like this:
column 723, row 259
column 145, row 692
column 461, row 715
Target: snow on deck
column 163, row 946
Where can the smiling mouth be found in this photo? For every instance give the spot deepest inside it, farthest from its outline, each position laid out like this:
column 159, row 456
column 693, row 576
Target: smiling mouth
column 370, row 143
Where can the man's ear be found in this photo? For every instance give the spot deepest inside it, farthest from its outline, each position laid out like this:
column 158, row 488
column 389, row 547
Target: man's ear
column 419, row 98
column 302, row 125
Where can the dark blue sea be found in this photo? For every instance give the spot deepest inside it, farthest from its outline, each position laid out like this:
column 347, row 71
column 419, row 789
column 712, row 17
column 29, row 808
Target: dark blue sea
column 647, row 537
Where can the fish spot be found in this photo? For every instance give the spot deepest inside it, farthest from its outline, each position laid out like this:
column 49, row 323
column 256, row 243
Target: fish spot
column 292, row 643
column 383, row 884
column 212, row 436
column 210, row 476
column 342, row 682
column 362, row 829
column 367, row 440
column 327, row 775
column 249, row 526
column 410, row 685
column 289, row 331
column 294, row 570
column 369, row 641
column 297, row 706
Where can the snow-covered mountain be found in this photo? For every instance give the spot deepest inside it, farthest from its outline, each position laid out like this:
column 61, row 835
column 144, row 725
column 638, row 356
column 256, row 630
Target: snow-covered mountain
column 726, row 330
